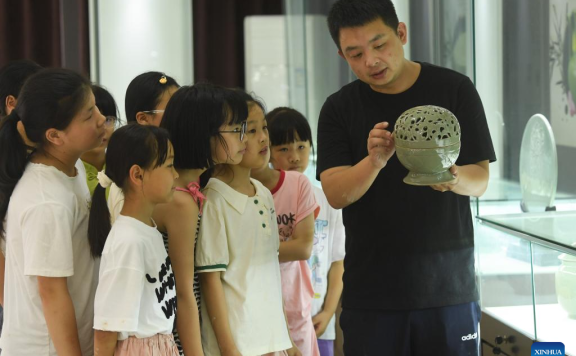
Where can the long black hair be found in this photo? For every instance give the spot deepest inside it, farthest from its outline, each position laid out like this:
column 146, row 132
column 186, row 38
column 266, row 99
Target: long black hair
column 194, row 115
column 145, row 92
column 49, row 99
column 152, row 145
column 12, row 78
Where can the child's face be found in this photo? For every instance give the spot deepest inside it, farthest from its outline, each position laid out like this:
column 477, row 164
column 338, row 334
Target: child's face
column 235, row 147
column 86, row 130
column 291, row 156
column 158, row 183
column 257, row 152
column 110, row 126
column 156, row 117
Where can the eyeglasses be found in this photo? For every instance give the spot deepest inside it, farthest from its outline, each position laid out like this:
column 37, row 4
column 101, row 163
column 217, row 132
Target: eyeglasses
column 242, row 130
column 153, row 111
column 111, row 121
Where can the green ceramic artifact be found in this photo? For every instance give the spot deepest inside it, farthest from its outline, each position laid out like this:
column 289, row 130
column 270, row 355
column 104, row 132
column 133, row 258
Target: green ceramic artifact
column 427, row 144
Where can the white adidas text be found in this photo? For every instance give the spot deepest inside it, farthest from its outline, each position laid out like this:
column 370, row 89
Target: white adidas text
column 470, row 337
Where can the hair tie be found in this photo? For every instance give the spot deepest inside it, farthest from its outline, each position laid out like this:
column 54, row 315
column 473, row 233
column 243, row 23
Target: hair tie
column 103, row 180
column 163, row 80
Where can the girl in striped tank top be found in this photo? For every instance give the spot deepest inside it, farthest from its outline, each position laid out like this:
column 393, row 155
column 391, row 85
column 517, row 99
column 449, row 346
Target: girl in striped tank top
column 193, row 117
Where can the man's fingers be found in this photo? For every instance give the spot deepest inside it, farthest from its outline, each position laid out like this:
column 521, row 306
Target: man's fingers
column 379, row 142
column 380, row 133
column 381, row 125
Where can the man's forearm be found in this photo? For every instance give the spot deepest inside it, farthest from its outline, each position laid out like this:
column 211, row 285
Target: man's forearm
column 472, row 179
column 345, row 185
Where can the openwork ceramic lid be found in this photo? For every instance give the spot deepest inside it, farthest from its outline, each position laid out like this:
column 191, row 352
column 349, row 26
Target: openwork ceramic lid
column 426, row 127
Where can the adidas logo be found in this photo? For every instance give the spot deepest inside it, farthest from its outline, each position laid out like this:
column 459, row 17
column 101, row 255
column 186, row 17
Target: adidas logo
column 470, row 337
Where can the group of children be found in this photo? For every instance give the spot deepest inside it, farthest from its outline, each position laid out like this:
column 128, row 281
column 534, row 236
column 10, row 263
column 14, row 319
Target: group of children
column 190, row 230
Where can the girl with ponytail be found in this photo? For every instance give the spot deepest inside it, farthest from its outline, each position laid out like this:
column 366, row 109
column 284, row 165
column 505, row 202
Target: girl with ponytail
column 135, row 304
column 50, row 276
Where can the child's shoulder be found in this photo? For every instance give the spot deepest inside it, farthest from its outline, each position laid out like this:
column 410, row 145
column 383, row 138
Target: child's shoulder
column 294, row 178
column 220, row 196
column 127, row 231
column 216, row 189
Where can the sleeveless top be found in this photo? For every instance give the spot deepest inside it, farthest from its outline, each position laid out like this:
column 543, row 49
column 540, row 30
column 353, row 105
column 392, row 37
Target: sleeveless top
column 193, row 189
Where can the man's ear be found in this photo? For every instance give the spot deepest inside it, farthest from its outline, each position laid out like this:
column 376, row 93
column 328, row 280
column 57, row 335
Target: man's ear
column 142, row 118
column 55, row 137
column 402, row 32
column 341, row 54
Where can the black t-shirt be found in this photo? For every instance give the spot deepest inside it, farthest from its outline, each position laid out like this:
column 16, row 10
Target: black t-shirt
column 407, row 247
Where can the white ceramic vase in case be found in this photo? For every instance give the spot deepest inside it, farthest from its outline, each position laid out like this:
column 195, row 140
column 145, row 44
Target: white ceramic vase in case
column 566, row 284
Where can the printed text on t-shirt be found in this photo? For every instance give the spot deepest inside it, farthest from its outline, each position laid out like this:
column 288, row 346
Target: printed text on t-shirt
column 166, row 280
column 285, row 225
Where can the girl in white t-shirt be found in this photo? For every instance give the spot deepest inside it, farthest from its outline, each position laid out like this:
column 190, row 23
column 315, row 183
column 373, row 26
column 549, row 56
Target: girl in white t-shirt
column 291, row 144
column 135, row 303
column 50, row 276
column 237, row 252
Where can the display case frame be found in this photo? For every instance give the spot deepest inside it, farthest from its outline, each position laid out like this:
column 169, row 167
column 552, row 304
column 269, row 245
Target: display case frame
column 518, row 260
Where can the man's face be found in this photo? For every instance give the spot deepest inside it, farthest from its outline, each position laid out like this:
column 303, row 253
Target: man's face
column 375, row 53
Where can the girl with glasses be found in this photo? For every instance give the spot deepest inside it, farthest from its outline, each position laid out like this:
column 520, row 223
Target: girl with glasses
column 201, row 119
column 147, row 96
column 146, row 99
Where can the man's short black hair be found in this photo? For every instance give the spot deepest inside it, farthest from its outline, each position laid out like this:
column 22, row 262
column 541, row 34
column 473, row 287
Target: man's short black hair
column 356, row 13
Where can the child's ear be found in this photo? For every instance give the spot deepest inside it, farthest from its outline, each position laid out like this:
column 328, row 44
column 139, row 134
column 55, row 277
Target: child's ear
column 136, row 175
column 55, row 137
column 142, row 118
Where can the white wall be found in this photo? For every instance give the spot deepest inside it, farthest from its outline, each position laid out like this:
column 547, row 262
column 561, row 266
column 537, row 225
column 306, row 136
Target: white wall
column 130, row 37
column 403, row 12
column 265, row 59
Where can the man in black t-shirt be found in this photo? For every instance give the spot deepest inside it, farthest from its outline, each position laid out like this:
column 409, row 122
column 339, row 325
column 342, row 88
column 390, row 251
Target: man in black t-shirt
column 409, row 283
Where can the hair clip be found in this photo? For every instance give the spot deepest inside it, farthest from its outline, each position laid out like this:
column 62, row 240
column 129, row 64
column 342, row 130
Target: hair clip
column 163, row 80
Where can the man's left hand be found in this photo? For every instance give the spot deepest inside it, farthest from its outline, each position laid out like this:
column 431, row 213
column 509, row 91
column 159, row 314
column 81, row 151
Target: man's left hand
column 448, row 187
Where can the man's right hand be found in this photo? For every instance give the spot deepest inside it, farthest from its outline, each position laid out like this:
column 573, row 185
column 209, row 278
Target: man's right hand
column 380, row 145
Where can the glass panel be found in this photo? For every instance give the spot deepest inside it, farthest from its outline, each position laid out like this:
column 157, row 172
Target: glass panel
column 441, row 33
column 296, row 52
column 524, row 60
column 555, row 296
column 505, row 279
column 554, row 227
column 315, row 71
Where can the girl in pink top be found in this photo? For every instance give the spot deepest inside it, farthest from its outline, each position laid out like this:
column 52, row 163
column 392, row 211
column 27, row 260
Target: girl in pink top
column 296, row 209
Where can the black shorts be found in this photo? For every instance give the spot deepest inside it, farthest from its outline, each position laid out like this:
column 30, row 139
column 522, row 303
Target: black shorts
column 443, row 331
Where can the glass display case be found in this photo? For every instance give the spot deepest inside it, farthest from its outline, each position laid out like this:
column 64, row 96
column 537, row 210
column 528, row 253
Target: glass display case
column 526, row 269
